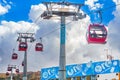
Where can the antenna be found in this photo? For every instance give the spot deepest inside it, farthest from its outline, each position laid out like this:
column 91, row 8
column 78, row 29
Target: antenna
column 109, row 56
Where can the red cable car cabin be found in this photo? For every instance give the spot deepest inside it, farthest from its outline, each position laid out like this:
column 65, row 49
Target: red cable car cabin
column 22, row 46
column 9, row 68
column 96, row 34
column 17, row 70
column 39, row 47
column 7, row 73
column 14, row 56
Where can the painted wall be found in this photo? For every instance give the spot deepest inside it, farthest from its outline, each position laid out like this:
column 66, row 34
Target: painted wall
column 85, row 69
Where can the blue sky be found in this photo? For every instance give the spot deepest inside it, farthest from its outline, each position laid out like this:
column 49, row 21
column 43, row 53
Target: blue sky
column 19, row 10
column 19, row 15
column 105, row 9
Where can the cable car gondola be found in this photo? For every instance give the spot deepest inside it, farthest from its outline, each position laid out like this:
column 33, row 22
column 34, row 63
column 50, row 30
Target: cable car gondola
column 17, row 70
column 9, row 68
column 14, row 56
column 7, row 73
column 39, row 47
column 97, row 34
column 22, row 46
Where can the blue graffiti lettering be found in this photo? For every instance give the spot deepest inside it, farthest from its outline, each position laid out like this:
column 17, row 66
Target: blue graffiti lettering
column 74, row 69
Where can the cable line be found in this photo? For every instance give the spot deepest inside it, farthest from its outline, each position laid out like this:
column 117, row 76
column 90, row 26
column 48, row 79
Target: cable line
column 110, row 7
column 34, row 22
column 48, row 33
column 102, row 10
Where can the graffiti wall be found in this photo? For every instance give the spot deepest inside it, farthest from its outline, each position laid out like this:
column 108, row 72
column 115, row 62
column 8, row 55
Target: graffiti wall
column 90, row 68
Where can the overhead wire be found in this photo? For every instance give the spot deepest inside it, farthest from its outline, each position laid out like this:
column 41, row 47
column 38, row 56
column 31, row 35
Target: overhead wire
column 102, row 10
column 27, row 32
column 110, row 7
column 48, row 33
column 31, row 26
column 36, row 20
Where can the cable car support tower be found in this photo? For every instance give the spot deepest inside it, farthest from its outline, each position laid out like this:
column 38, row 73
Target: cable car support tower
column 25, row 37
column 62, row 10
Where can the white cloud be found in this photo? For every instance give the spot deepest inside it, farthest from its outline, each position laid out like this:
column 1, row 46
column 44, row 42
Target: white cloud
column 36, row 11
column 8, row 37
column 114, row 30
column 90, row 2
column 93, row 5
column 13, row 27
column 117, row 1
column 4, row 9
column 77, row 49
